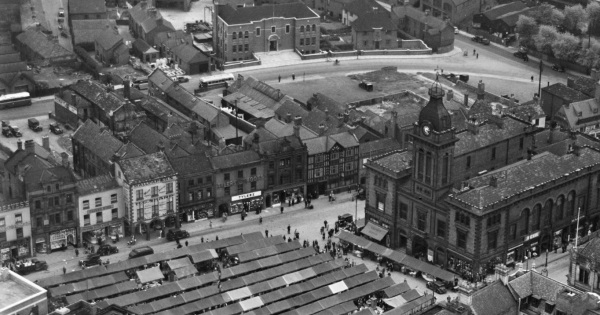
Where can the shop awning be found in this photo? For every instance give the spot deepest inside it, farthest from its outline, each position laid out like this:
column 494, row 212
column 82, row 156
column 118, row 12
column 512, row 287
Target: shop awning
column 252, row 303
column 150, row 275
column 178, row 263
column 204, row 255
column 410, row 295
column 338, row 287
column 374, row 231
column 185, row 271
column 395, row 301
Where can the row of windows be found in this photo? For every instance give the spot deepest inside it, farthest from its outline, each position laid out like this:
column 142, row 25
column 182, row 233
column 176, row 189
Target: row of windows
column 19, row 234
column 240, row 174
column 153, row 190
column 308, row 41
column 98, row 202
column 240, row 188
column 54, row 218
column 54, row 201
column 239, row 48
column 18, row 219
column 198, row 195
column 99, row 219
column 274, row 29
column 155, row 208
column 493, row 153
column 285, row 162
column 199, row 181
column 286, row 177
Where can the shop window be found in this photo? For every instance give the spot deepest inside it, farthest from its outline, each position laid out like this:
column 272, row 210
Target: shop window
column 113, row 198
column 492, row 240
column 99, row 217
column 38, row 204
column 208, row 192
column 98, row 202
column 226, row 176
column 69, row 215
column 227, row 191
column 403, row 210
column 18, row 218
column 461, row 239
column 86, row 204
column 139, row 194
column 191, row 182
column 240, row 174
column 169, row 188
column 114, row 213
column 422, row 220
column 19, row 232
column 69, row 198
column 253, row 171
column 253, row 186
column 240, row 188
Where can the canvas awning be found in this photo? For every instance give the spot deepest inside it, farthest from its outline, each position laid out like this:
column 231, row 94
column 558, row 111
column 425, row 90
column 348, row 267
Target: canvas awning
column 179, row 263
column 338, row 287
column 395, row 301
column 204, row 255
column 150, row 275
column 252, row 303
column 185, row 271
column 374, row 231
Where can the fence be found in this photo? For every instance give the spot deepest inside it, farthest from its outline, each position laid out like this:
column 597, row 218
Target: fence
column 409, row 47
column 243, row 63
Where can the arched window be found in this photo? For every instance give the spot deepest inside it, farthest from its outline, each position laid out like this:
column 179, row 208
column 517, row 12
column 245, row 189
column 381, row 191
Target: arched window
column 234, row 35
column 302, row 29
column 570, row 203
column 535, row 217
column 246, row 34
column 560, row 208
column 240, row 35
column 547, row 215
column 428, row 167
column 314, row 28
column 420, row 164
column 524, row 222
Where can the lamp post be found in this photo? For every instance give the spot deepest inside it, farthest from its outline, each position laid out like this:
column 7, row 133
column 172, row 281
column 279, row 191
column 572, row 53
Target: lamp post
column 356, row 209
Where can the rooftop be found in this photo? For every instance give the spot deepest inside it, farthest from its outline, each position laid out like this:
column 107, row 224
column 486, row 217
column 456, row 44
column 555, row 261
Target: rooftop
column 108, row 39
column 98, row 94
column 568, row 94
column 532, row 283
column 379, row 145
column 489, row 133
column 494, row 299
column 86, row 31
column 246, row 15
column 583, row 84
column 99, row 141
column 236, row 159
column 580, row 114
column 15, row 289
column 146, row 167
column 523, row 176
column 96, row 184
column 87, row 6
column 42, row 45
column 395, row 161
column 591, row 250
column 503, row 9
column 369, row 21
column 189, row 54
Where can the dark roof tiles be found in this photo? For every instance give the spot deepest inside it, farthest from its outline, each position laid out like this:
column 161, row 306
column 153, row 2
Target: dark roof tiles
column 96, row 184
column 494, row 299
column 395, row 161
column 489, row 133
column 568, row 94
column 246, row 15
column 146, row 167
column 99, row 141
column 236, row 159
column 87, row 6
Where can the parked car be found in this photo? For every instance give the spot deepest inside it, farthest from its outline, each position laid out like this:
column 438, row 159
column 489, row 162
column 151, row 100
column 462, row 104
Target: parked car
column 455, row 30
column 367, row 86
column 176, row 234
column 522, row 54
column 437, row 287
column 480, row 39
column 55, row 128
column 61, row 12
column 106, row 249
column 91, row 260
column 31, row 266
column 141, row 251
column 15, row 131
column 557, row 67
column 34, row 124
column 183, row 79
column 6, row 132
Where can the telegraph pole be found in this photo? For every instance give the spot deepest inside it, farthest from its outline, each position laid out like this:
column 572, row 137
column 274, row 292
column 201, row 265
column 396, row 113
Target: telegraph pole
column 540, row 79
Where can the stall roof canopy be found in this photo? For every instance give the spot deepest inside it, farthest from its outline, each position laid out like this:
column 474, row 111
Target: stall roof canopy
column 395, row 301
column 179, row 263
column 396, row 289
column 374, row 231
column 149, row 275
column 344, row 308
column 204, row 255
column 252, row 303
column 185, row 271
column 410, row 295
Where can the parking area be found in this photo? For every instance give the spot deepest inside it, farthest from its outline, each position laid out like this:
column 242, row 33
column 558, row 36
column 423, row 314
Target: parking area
column 58, row 143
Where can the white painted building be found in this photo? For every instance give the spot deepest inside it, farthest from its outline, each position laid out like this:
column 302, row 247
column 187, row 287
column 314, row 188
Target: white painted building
column 15, row 230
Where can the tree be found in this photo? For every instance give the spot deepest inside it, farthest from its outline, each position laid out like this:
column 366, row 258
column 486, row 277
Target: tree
column 575, row 19
column 566, row 47
column 557, row 18
column 541, row 13
column 544, row 38
column 590, row 54
column 593, row 13
column 527, row 28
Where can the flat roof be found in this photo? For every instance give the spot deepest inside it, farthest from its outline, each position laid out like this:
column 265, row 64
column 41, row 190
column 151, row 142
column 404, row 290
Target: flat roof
column 12, row 291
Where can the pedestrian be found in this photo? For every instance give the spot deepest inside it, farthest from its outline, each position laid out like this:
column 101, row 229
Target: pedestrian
column 202, row 239
column 210, row 224
column 443, row 69
column 473, row 52
column 288, row 229
column 76, row 252
column 477, row 55
column 279, row 78
column 217, row 238
column 260, row 221
column 267, row 233
column 282, row 209
column 186, row 243
column 284, row 238
column 531, row 78
column 293, row 76
column 179, row 246
column 64, row 270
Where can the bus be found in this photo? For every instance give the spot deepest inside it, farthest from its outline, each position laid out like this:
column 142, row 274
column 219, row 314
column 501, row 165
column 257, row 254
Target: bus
column 15, row 100
column 216, row 81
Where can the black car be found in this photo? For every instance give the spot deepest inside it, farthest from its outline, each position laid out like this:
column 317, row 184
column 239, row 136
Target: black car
column 6, row 132
column 437, row 287
column 55, row 128
column 106, row 249
column 34, row 125
column 15, row 131
column 173, row 235
column 141, row 251
column 30, row 266
column 91, row 260
column 480, row 39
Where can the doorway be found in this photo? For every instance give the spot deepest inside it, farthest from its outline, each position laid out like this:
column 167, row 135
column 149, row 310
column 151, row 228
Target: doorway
column 376, row 44
column 273, row 45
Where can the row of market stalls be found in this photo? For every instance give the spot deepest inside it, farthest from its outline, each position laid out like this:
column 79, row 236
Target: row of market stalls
column 397, row 257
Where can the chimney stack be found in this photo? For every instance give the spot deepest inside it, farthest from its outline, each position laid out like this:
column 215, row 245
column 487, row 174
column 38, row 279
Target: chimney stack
column 127, row 89
column 19, row 144
column 394, row 124
column 321, row 129
column 466, row 100
column 65, row 159
column 288, row 118
column 298, row 120
column 501, row 273
column 46, row 143
column 473, row 127
column 29, row 146
column 297, row 130
column 450, row 95
column 480, row 90
column 152, row 12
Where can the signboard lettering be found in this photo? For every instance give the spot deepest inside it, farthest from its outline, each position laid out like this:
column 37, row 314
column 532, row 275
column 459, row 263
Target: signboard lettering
column 245, row 196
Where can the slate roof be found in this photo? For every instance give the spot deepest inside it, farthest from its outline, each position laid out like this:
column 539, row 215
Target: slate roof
column 503, row 9
column 582, row 84
column 282, row 129
column 13, row 67
column 10, row 58
column 86, row 31
column 192, row 164
column 20, row 155
column 97, row 94
column 319, row 145
column 245, row 15
column 39, row 43
column 100, row 142
column 511, row 18
column 146, row 167
column 360, row 7
column 527, row 111
column 345, row 139
column 568, row 94
column 416, row 14
column 6, row 49
column 379, row 146
column 87, row 6
column 489, row 133
column 524, row 176
column 160, row 79
column 147, row 139
column 494, row 299
column 96, row 184
column 259, row 92
column 591, row 250
column 162, row 37
column 150, row 24
column 277, row 146
column 189, row 54
column 532, row 283
column 312, row 119
column 33, row 178
column 369, row 21
column 395, row 161
column 580, row 114
column 143, row 47
column 236, row 159
column 108, row 39
column 139, row 15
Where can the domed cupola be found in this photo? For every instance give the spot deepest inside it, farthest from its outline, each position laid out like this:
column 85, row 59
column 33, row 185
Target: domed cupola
column 435, row 113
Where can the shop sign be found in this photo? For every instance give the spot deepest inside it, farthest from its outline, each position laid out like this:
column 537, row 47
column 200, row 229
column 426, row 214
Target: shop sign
column 245, row 196
column 18, row 225
column 102, row 208
column 4, row 250
column 23, row 250
column 60, row 237
column 374, row 220
column 40, row 240
column 100, row 225
column 532, row 236
column 429, row 254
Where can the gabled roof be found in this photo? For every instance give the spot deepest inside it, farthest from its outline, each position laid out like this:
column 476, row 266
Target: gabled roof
column 87, row 6
column 524, row 176
column 20, row 155
column 139, row 15
column 39, row 43
column 161, row 80
column 345, row 139
column 13, row 67
column 191, row 102
column 532, row 283
column 150, row 24
column 96, row 184
column 97, row 94
column 281, row 129
column 108, row 39
column 245, row 15
column 147, row 139
column 146, row 167
column 580, row 114
column 591, row 251
column 379, row 146
column 191, row 164
column 143, row 47
column 367, row 22
column 319, row 145
column 568, row 94
column 494, row 299
column 583, row 84
column 237, row 159
column 527, row 111
column 360, row 7
column 166, row 36
column 280, row 145
column 503, row 9
column 86, row 31
column 100, row 142
column 189, row 54
column 259, row 92
column 489, row 133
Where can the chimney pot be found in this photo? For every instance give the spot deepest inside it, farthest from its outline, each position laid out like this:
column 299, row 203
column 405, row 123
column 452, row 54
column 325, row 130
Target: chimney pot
column 298, row 121
column 46, row 143
column 65, row 159
column 29, row 146
column 19, row 144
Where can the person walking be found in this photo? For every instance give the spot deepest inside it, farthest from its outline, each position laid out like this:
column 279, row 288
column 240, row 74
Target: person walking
column 288, row 228
column 76, row 252
column 477, row 55
column 293, row 76
column 279, row 78
column 64, row 270
column 186, row 243
column 266, row 233
column 282, row 209
column 531, row 78
column 473, row 52
column 260, row 220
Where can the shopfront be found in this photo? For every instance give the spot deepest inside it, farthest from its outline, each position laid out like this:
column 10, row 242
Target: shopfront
column 103, row 231
column 460, row 265
column 248, row 202
column 377, row 231
column 16, row 249
column 513, row 255
column 287, row 196
column 62, row 238
column 200, row 212
column 41, row 247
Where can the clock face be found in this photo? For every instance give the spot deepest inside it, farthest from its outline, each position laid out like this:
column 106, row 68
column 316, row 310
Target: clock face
column 426, row 130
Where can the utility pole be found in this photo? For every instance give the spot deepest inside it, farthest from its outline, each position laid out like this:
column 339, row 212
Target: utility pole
column 236, row 121
column 540, row 79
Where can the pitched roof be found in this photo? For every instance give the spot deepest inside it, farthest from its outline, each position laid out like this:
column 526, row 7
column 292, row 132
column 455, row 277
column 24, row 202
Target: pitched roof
column 189, row 54
column 86, row 31
column 245, row 15
column 494, row 299
column 146, row 138
column 524, row 176
column 150, row 24
column 146, row 167
column 527, row 110
column 13, row 67
column 379, row 146
column 108, row 39
column 345, row 139
column 591, row 250
column 10, row 58
column 139, row 15
column 99, row 141
column 161, row 80
column 166, row 36
column 192, row 164
column 259, row 92
column 416, row 14
column 369, row 21
column 568, row 94
column 87, row 6
column 582, row 84
column 282, row 129
column 488, row 134
column 277, row 146
column 580, row 114
column 503, row 9
column 96, row 184
column 6, row 49
column 533, row 283
column 143, row 47
column 319, row 145
column 97, row 94
column 39, row 42
column 20, row 155
column 395, row 161
column 236, row 159
column 360, row 7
